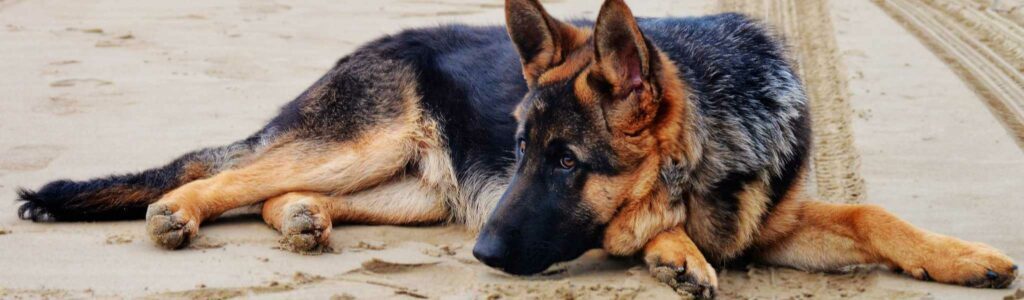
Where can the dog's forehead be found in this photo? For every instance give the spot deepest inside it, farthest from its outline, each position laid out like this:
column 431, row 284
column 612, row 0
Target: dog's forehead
column 560, row 116
column 577, row 62
column 554, row 106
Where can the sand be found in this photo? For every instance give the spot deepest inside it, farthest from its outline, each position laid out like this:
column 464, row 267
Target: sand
column 95, row 87
column 806, row 26
column 983, row 46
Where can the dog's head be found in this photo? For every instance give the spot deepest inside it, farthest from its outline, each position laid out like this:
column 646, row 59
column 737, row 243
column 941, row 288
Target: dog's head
column 602, row 111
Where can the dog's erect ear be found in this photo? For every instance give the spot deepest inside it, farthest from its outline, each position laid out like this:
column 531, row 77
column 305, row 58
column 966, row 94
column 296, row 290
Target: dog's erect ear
column 541, row 40
column 624, row 61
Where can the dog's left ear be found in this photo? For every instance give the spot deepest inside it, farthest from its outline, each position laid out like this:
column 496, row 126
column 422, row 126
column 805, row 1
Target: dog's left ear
column 624, row 61
column 541, row 40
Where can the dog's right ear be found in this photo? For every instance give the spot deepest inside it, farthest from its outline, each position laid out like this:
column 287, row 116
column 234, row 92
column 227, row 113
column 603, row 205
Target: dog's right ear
column 542, row 41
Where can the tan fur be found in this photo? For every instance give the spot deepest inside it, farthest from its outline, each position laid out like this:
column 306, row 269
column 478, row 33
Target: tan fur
column 784, row 217
column 193, row 171
column 121, row 193
column 636, row 205
column 638, row 197
column 436, row 172
column 519, row 113
column 297, row 166
column 673, row 250
column 560, row 38
column 831, row 236
column 480, row 195
column 753, row 202
column 576, row 60
column 584, row 93
column 615, row 16
column 294, row 165
column 273, row 208
column 303, row 218
column 571, row 38
column 633, row 203
column 403, row 201
column 674, row 126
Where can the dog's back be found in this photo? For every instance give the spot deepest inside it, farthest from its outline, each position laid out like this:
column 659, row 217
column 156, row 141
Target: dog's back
column 750, row 102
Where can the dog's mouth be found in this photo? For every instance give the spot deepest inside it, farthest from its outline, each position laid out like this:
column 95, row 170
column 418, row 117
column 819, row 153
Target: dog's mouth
column 524, row 271
column 518, row 265
column 527, row 264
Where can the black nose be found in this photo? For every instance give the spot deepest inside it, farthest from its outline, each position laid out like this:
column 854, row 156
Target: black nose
column 490, row 250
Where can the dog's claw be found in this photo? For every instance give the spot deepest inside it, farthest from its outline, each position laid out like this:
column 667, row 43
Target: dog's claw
column 169, row 227
column 306, row 229
column 699, row 281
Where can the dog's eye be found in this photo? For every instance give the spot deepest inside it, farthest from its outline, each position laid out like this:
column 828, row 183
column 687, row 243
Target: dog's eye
column 522, row 146
column 568, row 161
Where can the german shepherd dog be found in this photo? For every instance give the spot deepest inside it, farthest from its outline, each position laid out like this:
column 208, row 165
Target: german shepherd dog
column 680, row 140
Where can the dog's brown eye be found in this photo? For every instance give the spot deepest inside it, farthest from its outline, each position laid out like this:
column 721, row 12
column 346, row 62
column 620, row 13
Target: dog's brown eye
column 568, row 162
column 522, row 146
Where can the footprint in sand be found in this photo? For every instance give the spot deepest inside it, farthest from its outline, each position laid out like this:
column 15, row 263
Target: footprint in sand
column 118, row 41
column 28, row 157
column 119, row 239
column 443, row 13
column 263, row 7
column 59, row 105
column 113, row 41
column 64, row 62
column 382, row 266
column 79, row 82
column 86, row 30
column 233, row 67
column 194, row 17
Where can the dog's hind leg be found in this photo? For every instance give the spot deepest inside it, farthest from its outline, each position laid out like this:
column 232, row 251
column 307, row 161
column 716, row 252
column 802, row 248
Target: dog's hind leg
column 305, row 218
column 405, row 201
column 298, row 165
column 826, row 236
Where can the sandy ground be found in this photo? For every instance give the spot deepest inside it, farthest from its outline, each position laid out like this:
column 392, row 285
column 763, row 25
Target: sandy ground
column 94, row 87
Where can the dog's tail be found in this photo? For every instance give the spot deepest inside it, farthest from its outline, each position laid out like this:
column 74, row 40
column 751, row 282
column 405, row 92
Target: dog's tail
column 123, row 197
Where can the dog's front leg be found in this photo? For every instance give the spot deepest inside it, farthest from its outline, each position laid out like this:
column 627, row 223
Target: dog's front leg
column 673, row 258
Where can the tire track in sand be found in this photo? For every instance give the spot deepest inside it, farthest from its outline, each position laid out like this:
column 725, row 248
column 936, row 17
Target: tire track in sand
column 807, row 29
column 985, row 49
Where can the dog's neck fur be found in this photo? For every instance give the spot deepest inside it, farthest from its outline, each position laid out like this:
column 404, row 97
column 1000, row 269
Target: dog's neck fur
column 680, row 147
column 681, row 139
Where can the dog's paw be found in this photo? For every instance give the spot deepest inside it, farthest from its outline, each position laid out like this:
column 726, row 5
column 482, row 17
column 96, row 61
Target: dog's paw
column 170, row 226
column 964, row 263
column 690, row 274
column 306, row 228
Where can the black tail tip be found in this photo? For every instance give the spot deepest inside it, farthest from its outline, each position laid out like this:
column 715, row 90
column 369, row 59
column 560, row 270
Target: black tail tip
column 34, row 207
column 76, row 201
